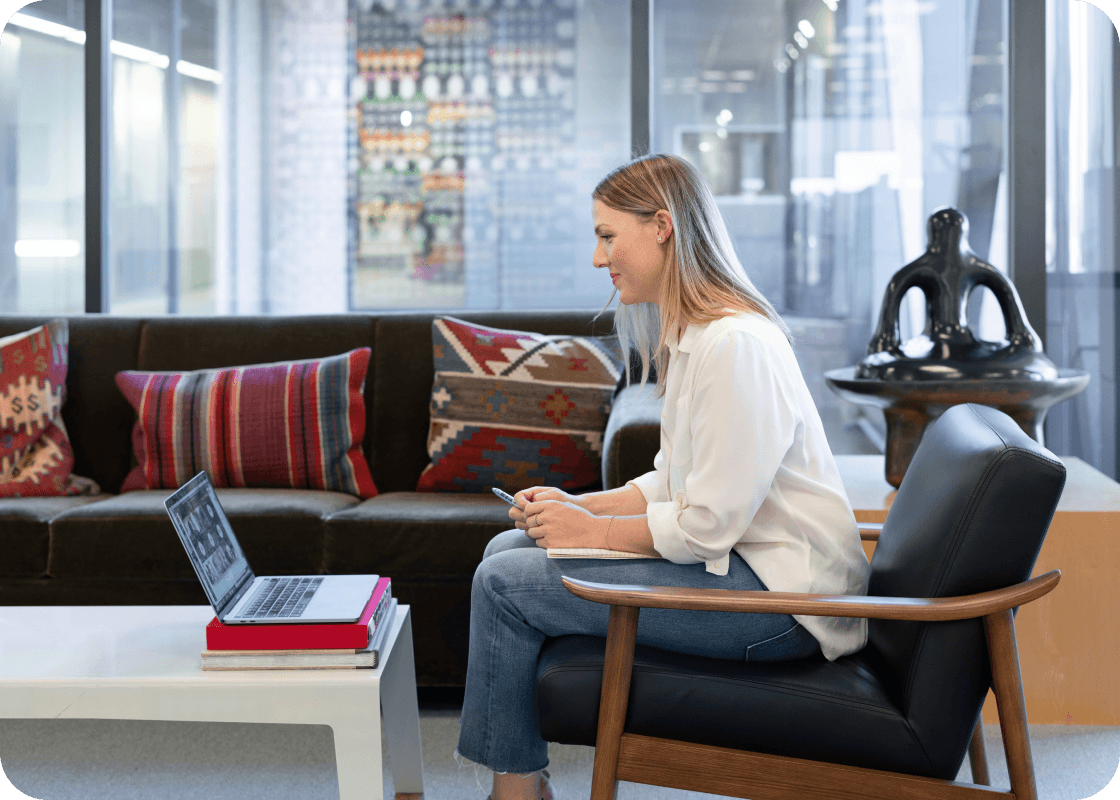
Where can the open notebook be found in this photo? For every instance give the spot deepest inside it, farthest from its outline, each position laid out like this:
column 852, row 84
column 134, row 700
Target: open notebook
column 592, row 552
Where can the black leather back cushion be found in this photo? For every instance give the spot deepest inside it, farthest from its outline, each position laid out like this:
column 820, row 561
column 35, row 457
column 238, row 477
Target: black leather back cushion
column 969, row 516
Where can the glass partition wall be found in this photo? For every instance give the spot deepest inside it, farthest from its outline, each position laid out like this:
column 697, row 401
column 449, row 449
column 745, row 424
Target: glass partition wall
column 830, row 131
column 281, row 156
column 1082, row 236
column 42, row 161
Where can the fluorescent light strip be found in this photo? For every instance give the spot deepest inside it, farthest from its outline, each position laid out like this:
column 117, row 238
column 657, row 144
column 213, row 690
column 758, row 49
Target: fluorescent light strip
column 202, row 73
column 117, row 48
column 138, row 54
column 47, row 248
column 49, row 28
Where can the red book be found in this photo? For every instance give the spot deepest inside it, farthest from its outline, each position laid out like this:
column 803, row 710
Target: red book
column 312, row 636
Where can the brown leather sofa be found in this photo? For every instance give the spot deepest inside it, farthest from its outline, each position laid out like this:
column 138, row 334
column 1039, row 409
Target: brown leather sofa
column 120, row 549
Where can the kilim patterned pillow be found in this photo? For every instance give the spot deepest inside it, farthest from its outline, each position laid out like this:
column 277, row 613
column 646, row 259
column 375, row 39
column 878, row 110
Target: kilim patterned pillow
column 515, row 409
column 35, row 454
column 295, row 424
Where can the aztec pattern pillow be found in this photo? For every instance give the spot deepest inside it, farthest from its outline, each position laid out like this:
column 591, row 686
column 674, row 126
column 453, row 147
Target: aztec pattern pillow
column 296, row 424
column 35, row 455
column 515, row 409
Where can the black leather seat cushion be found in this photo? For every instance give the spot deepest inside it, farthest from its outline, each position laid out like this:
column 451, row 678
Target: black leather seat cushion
column 25, row 532
column 418, row 534
column 131, row 537
column 824, row 711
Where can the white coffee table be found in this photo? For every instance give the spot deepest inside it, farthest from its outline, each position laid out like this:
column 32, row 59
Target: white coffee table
column 142, row 662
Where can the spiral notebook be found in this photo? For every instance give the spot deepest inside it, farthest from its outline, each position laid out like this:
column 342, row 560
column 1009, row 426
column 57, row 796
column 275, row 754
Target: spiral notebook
column 592, row 552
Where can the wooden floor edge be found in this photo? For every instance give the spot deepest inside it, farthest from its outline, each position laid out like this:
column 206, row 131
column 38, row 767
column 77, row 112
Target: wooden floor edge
column 705, row 768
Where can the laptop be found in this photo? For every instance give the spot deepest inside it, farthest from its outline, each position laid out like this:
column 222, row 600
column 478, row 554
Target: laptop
column 238, row 596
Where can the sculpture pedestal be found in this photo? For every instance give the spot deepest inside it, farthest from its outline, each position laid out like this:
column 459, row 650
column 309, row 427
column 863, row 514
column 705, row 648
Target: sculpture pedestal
column 909, row 406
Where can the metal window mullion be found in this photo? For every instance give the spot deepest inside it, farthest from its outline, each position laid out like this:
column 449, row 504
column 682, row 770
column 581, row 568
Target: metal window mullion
column 1025, row 133
column 174, row 93
column 641, row 31
column 98, row 96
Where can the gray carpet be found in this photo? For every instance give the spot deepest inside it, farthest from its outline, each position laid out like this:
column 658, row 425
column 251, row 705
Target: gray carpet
column 117, row 760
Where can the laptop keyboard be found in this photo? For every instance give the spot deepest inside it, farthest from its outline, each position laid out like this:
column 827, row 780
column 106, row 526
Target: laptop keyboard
column 281, row 597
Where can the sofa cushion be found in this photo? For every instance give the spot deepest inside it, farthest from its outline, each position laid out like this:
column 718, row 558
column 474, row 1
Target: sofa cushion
column 416, row 534
column 188, row 343
column 515, row 409
column 36, row 459
column 25, row 531
column 296, row 424
column 130, row 536
column 403, row 365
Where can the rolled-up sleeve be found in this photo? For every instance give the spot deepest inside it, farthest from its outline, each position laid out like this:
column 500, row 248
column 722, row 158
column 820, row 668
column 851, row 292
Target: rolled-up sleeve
column 741, row 421
column 654, row 484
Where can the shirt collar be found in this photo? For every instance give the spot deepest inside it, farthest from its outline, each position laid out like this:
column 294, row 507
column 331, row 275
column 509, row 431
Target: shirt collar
column 687, row 341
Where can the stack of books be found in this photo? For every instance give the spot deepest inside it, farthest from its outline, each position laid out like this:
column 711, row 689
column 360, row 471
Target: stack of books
column 355, row 645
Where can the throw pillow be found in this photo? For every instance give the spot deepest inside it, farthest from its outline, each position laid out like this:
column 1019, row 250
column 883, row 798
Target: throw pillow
column 515, row 409
column 35, row 455
column 296, row 424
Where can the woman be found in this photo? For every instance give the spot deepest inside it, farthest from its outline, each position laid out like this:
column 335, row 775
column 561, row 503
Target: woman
column 744, row 494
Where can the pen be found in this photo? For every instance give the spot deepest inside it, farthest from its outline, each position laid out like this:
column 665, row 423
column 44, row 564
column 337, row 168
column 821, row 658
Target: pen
column 505, row 496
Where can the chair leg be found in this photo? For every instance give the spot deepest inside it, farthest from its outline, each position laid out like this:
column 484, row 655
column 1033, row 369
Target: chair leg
column 618, row 664
column 1007, row 683
column 978, row 756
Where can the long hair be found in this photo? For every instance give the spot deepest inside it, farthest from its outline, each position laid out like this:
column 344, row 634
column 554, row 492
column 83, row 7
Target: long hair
column 702, row 276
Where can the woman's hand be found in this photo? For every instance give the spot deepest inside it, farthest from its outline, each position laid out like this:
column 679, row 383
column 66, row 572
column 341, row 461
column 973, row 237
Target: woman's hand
column 536, row 494
column 555, row 523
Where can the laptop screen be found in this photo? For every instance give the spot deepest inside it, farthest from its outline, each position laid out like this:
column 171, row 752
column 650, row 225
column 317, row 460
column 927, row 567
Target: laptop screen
column 209, row 541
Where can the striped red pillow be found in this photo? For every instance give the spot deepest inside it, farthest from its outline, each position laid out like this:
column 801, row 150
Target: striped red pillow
column 295, row 424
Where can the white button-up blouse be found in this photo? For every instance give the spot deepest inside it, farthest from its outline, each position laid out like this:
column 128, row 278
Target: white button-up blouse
column 744, row 465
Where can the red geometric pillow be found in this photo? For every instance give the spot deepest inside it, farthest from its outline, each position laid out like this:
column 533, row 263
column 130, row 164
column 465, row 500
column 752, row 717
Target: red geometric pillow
column 295, row 424
column 515, row 409
column 36, row 459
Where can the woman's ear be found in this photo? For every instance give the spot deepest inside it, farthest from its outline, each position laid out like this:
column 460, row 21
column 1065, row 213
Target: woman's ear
column 664, row 225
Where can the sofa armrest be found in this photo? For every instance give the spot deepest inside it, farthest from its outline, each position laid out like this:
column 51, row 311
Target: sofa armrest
column 633, row 435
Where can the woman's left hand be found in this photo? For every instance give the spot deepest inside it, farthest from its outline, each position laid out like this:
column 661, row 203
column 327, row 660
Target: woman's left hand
column 557, row 524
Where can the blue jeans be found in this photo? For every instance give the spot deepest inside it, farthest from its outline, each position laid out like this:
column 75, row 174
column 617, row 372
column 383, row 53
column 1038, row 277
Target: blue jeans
column 517, row 601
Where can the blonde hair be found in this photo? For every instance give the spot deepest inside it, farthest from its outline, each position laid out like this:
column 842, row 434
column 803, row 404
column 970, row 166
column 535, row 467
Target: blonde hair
column 702, row 273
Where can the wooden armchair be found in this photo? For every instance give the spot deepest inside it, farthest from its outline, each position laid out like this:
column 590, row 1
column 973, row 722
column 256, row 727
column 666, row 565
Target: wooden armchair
column 891, row 721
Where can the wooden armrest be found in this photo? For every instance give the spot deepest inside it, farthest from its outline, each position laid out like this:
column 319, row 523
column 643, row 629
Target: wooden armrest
column 869, row 531
column 822, row 605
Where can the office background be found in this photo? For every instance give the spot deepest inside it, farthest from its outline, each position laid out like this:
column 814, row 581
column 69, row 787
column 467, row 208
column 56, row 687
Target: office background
column 284, row 157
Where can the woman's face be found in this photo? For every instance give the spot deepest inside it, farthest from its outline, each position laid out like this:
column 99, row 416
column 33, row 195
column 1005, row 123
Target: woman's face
column 628, row 246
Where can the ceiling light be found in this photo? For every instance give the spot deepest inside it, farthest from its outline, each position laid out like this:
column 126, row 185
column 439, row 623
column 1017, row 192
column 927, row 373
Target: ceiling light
column 197, row 71
column 801, row 40
column 807, row 28
column 49, row 28
column 47, row 248
column 832, row 4
column 793, row 53
column 117, row 48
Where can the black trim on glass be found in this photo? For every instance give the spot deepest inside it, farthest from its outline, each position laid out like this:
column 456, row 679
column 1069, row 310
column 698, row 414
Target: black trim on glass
column 98, row 74
column 1026, row 156
column 174, row 96
column 641, row 15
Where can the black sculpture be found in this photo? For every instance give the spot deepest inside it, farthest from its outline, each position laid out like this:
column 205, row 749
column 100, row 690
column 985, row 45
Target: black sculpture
column 916, row 380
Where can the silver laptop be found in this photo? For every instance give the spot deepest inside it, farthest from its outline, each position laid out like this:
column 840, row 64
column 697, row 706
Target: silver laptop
column 241, row 598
